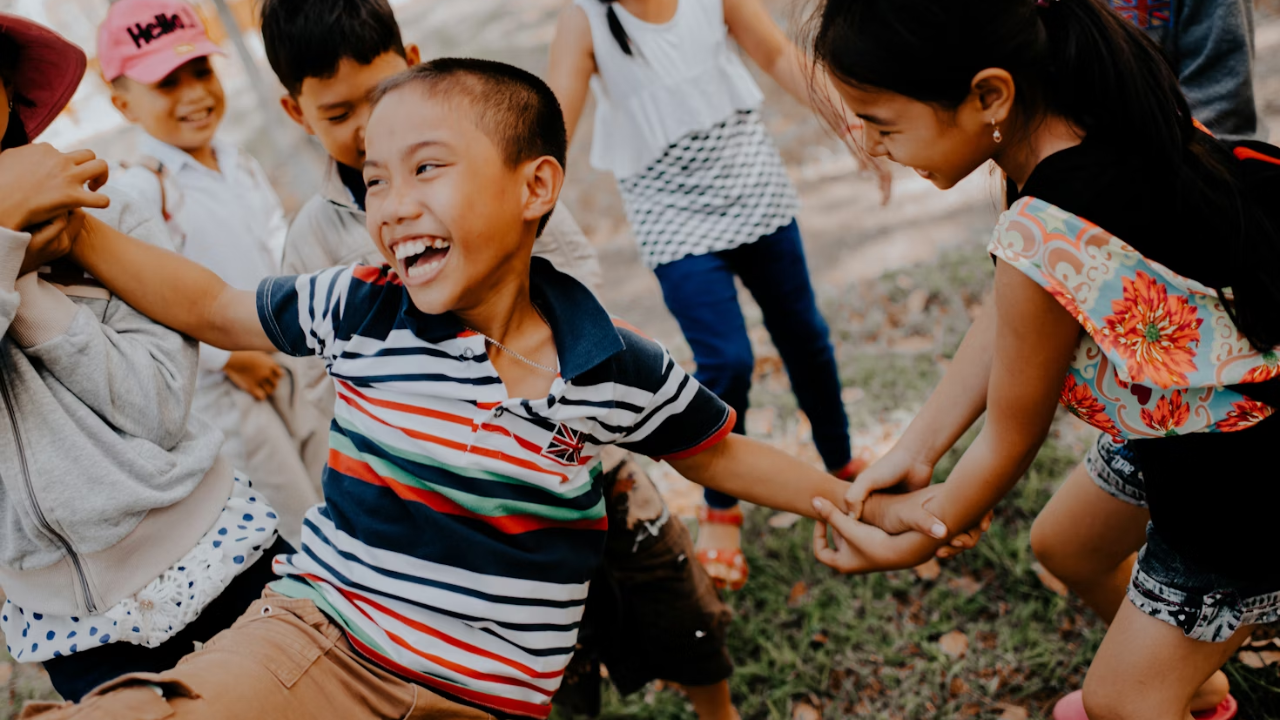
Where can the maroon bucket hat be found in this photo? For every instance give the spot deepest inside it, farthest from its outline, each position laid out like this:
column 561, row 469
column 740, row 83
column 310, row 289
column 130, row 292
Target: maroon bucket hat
column 50, row 68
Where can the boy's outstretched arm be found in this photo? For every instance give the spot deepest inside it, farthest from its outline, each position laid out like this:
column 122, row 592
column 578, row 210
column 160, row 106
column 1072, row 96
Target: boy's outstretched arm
column 170, row 289
column 755, row 472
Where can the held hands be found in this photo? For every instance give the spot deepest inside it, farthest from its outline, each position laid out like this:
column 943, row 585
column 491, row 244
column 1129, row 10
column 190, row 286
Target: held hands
column 38, row 184
column 889, row 530
column 886, row 536
column 254, row 372
column 51, row 240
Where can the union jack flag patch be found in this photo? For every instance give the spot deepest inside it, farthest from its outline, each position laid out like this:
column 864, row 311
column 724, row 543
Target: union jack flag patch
column 566, row 446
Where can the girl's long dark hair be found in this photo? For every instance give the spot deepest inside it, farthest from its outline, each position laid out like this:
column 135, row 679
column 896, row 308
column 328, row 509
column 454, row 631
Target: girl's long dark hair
column 1079, row 60
column 615, row 27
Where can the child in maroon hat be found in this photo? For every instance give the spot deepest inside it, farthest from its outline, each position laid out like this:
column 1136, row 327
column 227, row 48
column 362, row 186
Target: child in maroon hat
column 120, row 538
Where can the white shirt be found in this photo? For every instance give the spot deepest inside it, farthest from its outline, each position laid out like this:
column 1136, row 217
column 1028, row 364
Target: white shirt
column 229, row 220
column 684, row 76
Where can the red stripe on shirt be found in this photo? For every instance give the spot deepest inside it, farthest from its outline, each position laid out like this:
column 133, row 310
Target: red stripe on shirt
column 507, row 524
column 450, row 640
column 707, row 444
column 511, row 707
column 452, row 445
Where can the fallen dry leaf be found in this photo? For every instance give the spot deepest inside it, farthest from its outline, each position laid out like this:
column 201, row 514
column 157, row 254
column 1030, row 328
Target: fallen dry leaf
column 954, row 644
column 784, row 520
column 1049, row 581
column 966, row 585
column 958, row 687
column 798, row 593
column 804, row 711
column 851, row 395
column 930, row 570
column 819, row 639
column 1258, row 660
column 917, row 301
column 1012, row 712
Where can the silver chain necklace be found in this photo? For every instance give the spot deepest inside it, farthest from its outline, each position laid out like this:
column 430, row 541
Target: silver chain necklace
column 515, row 354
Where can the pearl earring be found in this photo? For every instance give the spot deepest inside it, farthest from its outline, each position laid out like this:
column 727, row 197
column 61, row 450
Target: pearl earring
column 996, row 134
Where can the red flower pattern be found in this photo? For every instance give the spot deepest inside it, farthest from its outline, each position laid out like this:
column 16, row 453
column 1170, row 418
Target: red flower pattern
column 1171, row 413
column 1154, row 333
column 1266, row 372
column 1068, row 301
column 1244, row 414
column 1080, row 401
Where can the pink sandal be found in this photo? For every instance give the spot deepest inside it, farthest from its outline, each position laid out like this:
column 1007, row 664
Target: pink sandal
column 1071, row 707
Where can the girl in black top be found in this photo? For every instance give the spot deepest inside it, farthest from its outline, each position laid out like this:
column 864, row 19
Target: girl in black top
column 1135, row 262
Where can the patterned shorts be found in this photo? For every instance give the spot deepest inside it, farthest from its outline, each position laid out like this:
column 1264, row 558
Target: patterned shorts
column 1205, row 606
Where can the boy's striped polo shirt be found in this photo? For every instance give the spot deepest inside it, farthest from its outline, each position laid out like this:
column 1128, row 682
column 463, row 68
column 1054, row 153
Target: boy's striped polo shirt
column 461, row 526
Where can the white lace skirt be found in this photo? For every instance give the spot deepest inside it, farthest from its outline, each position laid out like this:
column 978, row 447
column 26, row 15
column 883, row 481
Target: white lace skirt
column 246, row 527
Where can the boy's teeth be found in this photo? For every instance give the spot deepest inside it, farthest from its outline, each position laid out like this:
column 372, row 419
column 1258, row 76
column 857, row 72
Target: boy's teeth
column 416, row 247
column 425, row 268
column 410, row 248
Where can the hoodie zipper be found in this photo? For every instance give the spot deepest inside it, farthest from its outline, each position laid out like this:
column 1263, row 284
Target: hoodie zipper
column 41, row 520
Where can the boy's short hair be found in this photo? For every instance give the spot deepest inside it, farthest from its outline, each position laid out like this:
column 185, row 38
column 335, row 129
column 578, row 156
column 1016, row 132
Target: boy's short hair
column 305, row 38
column 513, row 107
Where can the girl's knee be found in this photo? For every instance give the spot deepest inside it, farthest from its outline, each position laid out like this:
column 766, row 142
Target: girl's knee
column 1050, row 547
column 1108, row 697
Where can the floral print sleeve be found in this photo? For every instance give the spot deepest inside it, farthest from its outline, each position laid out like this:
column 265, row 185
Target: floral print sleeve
column 1159, row 355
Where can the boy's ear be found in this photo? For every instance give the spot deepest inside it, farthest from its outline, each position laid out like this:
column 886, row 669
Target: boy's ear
column 412, row 54
column 543, row 179
column 294, row 111
column 120, row 100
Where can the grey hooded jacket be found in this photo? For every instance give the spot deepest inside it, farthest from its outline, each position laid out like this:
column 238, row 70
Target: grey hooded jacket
column 106, row 479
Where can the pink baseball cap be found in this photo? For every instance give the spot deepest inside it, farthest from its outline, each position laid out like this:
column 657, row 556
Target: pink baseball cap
column 145, row 40
column 50, row 69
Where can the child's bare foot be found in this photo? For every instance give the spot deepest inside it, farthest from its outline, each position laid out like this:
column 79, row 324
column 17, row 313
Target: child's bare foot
column 719, row 547
column 712, row 702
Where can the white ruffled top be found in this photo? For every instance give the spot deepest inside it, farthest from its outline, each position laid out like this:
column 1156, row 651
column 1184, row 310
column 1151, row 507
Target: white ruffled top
column 682, row 78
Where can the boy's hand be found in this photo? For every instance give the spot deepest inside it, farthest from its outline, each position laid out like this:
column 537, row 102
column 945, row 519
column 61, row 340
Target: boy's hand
column 254, row 372
column 897, row 514
column 38, row 183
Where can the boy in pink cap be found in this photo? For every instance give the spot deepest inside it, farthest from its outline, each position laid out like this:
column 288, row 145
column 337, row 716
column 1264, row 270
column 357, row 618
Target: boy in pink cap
column 222, row 213
column 124, row 538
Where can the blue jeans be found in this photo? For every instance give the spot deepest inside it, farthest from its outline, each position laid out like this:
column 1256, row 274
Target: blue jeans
column 699, row 291
column 1210, row 45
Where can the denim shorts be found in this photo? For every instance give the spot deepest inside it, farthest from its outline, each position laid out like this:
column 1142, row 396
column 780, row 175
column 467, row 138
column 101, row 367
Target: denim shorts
column 1205, row 606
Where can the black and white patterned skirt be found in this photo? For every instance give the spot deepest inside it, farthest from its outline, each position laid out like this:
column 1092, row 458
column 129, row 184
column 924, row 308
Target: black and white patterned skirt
column 712, row 190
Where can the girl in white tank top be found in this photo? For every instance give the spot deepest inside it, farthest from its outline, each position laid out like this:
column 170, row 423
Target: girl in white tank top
column 707, row 197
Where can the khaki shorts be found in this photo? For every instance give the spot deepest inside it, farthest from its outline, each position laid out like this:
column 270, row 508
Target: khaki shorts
column 281, row 660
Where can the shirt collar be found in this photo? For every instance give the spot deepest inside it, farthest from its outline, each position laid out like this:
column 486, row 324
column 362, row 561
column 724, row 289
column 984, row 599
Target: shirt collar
column 175, row 159
column 584, row 333
column 335, row 191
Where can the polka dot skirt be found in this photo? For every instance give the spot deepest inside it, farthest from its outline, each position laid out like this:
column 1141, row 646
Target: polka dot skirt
column 246, row 527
